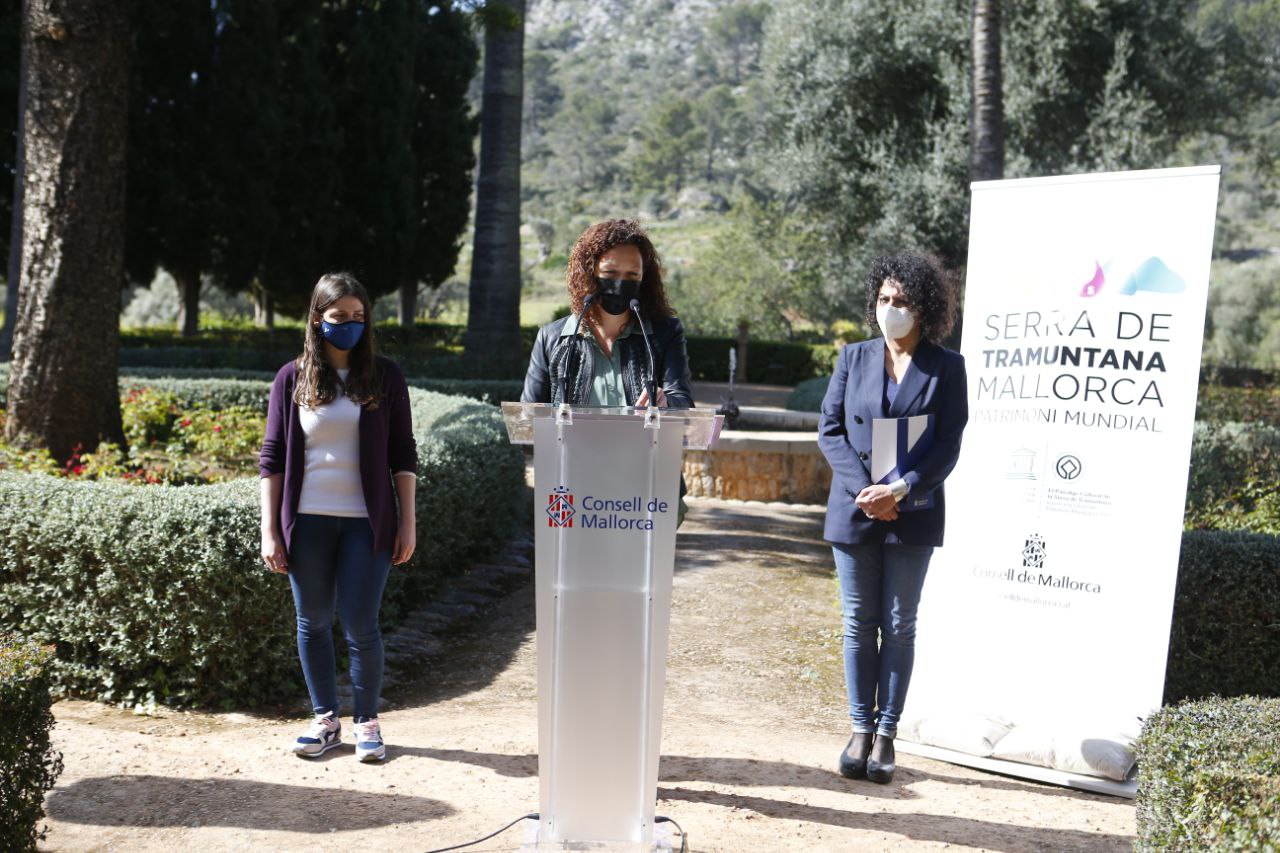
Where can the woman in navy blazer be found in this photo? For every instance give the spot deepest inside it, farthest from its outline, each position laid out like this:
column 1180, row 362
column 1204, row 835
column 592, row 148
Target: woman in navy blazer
column 881, row 544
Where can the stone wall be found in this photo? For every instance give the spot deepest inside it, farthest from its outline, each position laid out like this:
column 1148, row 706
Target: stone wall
column 760, row 467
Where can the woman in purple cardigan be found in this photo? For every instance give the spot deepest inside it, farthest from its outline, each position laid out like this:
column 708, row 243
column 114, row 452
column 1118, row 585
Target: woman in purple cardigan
column 337, row 459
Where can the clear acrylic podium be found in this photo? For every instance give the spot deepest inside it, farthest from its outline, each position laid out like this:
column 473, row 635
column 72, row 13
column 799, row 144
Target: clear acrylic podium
column 606, row 491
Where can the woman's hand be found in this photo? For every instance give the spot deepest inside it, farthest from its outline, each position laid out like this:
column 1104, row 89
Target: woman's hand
column 406, row 541
column 273, row 554
column 643, row 399
column 878, row 502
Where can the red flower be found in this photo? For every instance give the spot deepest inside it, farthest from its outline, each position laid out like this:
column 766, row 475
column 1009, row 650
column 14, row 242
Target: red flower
column 186, row 422
column 217, row 428
column 78, row 470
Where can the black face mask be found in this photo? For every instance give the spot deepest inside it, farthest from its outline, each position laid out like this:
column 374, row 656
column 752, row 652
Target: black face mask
column 615, row 294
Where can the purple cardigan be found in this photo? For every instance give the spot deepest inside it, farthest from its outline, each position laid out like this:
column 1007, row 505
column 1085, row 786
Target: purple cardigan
column 386, row 446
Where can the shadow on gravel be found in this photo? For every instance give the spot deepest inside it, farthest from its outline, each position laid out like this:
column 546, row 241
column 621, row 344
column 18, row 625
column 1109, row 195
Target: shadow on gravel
column 752, row 772
column 160, row 801
column 785, row 537
column 474, row 654
column 947, row 829
column 480, row 650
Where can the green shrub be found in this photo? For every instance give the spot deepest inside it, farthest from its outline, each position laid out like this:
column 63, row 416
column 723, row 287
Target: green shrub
column 1234, row 483
column 768, row 362
column 1209, row 776
column 1222, row 403
column 1225, row 636
column 485, row 390
column 155, row 593
column 28, row 763
column 807, row 396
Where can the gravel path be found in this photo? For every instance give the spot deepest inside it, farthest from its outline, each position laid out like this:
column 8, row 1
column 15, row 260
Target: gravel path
column 752, row 728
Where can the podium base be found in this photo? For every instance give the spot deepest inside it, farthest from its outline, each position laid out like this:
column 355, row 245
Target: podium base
column 663, row 842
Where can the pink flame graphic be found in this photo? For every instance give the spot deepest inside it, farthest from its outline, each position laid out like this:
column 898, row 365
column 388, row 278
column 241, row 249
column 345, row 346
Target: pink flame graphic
column 1094, row 285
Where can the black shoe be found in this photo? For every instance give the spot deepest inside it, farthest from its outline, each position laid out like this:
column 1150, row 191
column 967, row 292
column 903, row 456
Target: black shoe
column 880, row 765
column 853, row 761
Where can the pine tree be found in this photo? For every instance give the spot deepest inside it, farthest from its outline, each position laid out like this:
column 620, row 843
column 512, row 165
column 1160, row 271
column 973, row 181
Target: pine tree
column 443, row 149
column 171, row 138
column 63, row 387
column 305, row 191
column 372, row 82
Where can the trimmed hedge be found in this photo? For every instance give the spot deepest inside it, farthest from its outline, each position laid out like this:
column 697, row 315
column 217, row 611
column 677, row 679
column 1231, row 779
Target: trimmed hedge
column 429, row 349
column 1225, row 637
column 220, row 388
column 1209, row 776
column 768, row 362
column 1239, row 377
column 807, row 396
column 29, row 765
column 154, row 593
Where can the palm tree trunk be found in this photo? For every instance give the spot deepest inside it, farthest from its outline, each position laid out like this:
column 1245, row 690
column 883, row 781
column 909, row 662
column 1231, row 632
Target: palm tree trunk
column 63, row 390
column 986, row 135
column 493, row 320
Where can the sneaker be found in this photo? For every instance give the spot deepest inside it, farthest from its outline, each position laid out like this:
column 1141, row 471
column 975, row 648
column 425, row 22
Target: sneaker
column 325, row 733
column 369, row 745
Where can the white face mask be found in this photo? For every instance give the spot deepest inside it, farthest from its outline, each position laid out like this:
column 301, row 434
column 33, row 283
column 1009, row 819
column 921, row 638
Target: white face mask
column 895, row 322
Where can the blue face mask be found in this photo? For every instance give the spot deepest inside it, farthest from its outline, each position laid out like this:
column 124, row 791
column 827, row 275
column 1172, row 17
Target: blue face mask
column 344, row 336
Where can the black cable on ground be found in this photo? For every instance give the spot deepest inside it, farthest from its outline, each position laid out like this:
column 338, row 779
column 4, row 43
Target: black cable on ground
column 533, row 815
column 684, row 838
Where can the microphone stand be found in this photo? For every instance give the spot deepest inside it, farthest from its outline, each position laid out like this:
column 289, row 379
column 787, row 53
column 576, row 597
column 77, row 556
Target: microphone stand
column 653, row 373
column 568, row 362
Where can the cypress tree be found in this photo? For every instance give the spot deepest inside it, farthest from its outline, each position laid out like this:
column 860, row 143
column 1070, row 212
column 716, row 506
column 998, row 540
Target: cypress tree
column 170, row 141
column 442, row 142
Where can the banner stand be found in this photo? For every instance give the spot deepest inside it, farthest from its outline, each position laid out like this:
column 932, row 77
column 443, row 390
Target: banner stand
column 1093, row 784
column 606, row 495
column 1044, row 623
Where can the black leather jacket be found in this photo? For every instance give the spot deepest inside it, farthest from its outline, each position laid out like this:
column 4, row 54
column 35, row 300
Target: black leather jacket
column 554, row 355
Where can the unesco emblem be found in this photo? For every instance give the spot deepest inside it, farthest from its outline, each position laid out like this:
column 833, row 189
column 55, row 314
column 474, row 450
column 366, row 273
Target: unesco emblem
column 1033, row 552
column 1068, row 467
column 560, row 508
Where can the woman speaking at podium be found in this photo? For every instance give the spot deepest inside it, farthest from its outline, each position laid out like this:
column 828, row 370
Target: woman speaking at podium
column 598, row 355
column 883, row 530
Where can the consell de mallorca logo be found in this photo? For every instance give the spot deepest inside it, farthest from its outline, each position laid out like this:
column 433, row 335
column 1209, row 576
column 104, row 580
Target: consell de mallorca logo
column 598, row 513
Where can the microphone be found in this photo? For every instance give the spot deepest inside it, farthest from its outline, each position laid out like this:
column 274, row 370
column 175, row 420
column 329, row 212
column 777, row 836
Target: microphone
column 653, row 374
column 568, row 362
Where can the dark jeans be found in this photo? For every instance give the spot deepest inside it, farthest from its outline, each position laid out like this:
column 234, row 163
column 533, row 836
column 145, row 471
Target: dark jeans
column 333, row 558
column 879, row 593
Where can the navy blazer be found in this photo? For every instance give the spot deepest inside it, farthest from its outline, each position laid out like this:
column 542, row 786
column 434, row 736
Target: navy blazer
column 935, row 384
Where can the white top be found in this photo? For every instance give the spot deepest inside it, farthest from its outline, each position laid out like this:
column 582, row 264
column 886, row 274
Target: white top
column 331, row 482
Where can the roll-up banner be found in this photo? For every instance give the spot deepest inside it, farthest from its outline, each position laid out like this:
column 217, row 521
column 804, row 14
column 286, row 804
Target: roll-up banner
column 1044, row 627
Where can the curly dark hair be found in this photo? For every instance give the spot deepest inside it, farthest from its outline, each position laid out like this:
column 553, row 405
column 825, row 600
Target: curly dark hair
column 600, row 238
column 926, row 286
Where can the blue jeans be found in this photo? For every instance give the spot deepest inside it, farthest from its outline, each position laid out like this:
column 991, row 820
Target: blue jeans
column 333, row 558
column 879, row 594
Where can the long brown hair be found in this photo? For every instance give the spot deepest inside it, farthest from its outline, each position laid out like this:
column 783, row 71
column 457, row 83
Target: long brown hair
column 600, row 238
column 318, row 381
